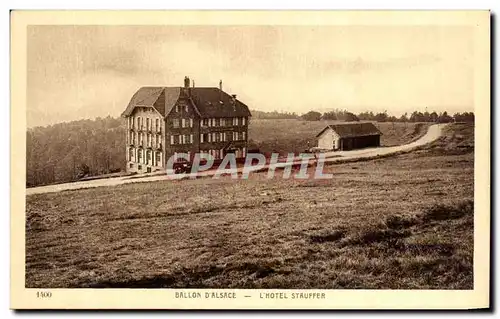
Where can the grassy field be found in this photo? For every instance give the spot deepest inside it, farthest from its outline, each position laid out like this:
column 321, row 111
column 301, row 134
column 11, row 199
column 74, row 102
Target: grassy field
column 285, row 136
column 403, row 222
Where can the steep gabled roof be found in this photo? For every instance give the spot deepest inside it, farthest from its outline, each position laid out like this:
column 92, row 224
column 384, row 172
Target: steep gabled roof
column 209, row 102
column 354, row 129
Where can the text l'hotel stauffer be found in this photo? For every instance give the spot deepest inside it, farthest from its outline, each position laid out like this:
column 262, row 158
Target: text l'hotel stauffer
column 237, row 295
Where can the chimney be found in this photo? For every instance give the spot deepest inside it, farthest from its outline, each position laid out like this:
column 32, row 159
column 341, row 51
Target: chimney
column 233, row 101
column 186, row 82
column 220, row 91
column 193, row 83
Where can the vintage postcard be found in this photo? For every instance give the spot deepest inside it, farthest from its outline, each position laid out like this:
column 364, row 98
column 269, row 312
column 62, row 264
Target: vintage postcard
column 250, row 159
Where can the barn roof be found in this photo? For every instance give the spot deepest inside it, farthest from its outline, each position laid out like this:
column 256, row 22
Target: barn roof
column 354, row 129
column 208, row 101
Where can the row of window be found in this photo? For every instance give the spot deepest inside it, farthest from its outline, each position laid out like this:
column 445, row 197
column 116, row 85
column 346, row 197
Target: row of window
column 222, row 137
column 215, row 122
column 207, row 137
column 150, row 124
column 216, row 154
column 147, row 157
column 182, row 123
column 152, row 140
column 181, row 139
column 142, row 123
column 219, row 154
column 178, row 108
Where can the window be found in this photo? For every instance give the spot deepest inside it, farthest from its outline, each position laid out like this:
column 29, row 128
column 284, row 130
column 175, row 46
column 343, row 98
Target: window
column 131, row 165
column 243, row 121
column 140, row 138
column 175, row 123
column 221, row 136
column 190, row 122
column 138, row 122
column 131, row 154
column 177, row 108
column 158, row 159
column 131, row 138
column 209, row 138
column 205, row 122
column 191, row 138
column 139, row 167
column 172, row 139
column 202, row 138
column 183, row 123
column 235, row 121
column 148, row 157
column 139, row 156
column 222, row 122
column 147, row 123
column 187, row 108
column 244, row 135
column 158, row 128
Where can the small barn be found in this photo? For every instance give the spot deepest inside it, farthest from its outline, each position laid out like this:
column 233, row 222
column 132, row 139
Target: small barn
column 349, row 136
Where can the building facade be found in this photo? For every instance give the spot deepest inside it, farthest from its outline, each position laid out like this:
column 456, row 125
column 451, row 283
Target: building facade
column 349, row 136
column 165, row 121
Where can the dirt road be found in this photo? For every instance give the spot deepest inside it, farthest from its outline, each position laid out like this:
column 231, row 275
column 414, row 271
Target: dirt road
column 433, row 133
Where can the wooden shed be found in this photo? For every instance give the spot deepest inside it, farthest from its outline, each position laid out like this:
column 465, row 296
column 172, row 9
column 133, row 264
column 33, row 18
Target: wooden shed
column 349, row 136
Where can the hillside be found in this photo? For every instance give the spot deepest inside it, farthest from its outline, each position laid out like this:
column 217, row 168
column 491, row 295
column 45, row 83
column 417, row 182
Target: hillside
column 403, row 222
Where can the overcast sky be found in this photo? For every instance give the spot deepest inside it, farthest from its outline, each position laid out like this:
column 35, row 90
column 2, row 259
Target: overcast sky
column 89, row 71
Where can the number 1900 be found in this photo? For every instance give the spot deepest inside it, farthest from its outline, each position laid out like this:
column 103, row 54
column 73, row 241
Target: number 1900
column 43, row 294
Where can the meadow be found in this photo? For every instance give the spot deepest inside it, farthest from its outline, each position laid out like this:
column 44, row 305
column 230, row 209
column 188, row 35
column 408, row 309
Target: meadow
column 402, row 222
column 290, row 135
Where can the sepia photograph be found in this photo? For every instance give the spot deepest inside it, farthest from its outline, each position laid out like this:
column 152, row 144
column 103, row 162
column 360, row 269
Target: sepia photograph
column 253, row 161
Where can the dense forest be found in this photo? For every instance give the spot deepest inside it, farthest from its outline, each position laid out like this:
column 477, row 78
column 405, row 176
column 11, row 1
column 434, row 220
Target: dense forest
column 69, row 151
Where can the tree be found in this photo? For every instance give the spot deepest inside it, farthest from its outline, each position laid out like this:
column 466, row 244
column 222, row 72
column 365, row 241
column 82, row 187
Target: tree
column 350, row 117
column 312, row 116
column 381, row 117
column 404, row 118
column 329, row 116
column 444, row 118
column 433, row 117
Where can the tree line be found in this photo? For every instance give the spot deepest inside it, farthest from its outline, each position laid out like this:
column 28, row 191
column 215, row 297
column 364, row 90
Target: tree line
column 343, row 115
column 66, row 152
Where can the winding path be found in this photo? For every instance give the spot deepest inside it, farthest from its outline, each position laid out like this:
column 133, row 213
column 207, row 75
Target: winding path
column 433, row 133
